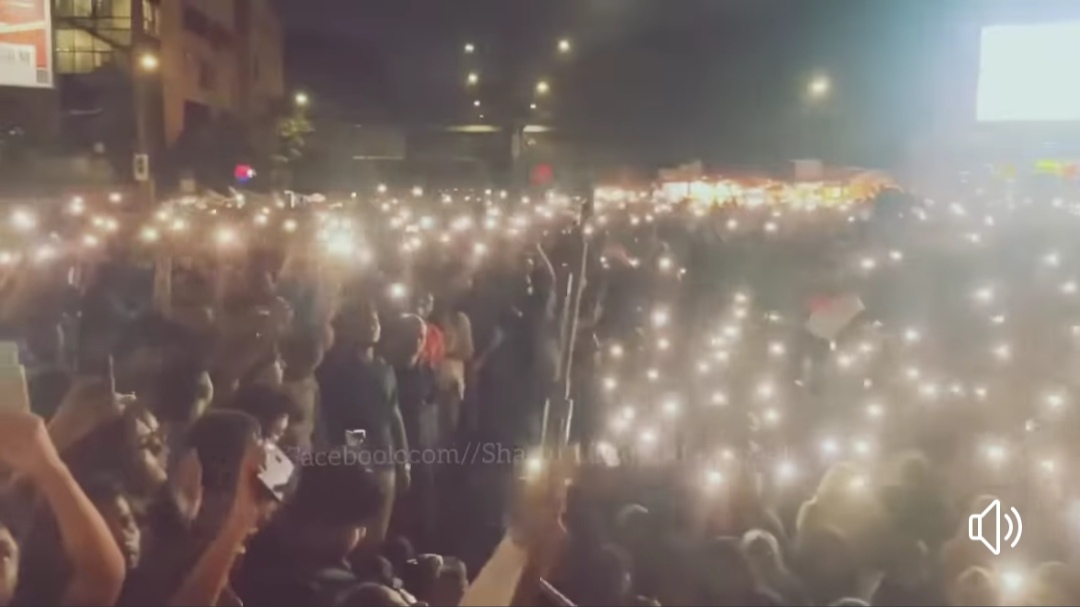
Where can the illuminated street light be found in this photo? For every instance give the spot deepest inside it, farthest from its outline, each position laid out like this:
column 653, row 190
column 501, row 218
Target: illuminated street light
column 532, row 106
column 302, row 99
column 819, row 87
column 564, row 46
column 542, row 87
column 473, row 78
column 469, row 48
column 476, row 103
column 149, row 62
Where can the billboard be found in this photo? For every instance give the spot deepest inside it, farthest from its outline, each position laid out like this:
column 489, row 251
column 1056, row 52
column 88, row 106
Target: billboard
column 1027, row 73
column 26, row 58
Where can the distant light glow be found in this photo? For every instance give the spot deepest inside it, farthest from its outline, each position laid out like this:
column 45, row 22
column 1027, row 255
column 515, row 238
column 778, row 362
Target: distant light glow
column 1020, row 71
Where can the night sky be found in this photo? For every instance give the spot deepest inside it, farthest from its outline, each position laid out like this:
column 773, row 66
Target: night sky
column 662, row 80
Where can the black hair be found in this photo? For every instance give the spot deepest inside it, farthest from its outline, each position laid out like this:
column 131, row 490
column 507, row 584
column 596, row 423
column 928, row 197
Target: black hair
column 376, row 568
column 399, row 550
column 264, row 403
column 102, row 488
column 221, row 439
column 336, row 495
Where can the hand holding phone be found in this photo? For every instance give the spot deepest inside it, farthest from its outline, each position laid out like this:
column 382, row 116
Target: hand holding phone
column 354, row 439
column 277, row 471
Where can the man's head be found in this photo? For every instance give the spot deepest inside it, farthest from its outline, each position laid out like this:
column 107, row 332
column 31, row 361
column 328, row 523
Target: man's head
column 425, row 305
column 763, row 551
column 211, row 465
column 271, row 407
column 358, row 325
column 331, row 509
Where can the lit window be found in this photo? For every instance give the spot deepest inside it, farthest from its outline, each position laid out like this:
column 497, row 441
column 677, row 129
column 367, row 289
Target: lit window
column 79, row 52
column 75, row 8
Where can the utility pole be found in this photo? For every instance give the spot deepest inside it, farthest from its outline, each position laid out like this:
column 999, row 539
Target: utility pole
column 144, row 64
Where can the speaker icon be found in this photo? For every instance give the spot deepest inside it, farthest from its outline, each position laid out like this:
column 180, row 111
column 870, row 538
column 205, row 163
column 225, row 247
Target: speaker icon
column 978, row 533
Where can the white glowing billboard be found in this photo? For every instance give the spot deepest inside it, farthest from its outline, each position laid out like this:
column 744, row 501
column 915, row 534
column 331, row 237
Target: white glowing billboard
column 26, row 43
column 1029, row 73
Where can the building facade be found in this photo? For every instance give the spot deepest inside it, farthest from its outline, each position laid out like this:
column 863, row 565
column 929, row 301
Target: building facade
column 163, row 74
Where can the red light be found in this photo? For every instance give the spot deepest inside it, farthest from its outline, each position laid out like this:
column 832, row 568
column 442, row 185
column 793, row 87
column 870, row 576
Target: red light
column 244, row 173
column 542, row 174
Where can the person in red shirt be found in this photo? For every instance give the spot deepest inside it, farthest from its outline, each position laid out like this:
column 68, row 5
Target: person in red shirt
column 433, row 351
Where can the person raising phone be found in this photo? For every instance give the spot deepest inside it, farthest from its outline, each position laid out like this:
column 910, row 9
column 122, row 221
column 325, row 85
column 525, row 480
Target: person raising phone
column 97, row 563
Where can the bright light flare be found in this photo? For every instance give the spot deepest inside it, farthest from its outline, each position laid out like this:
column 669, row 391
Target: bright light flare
column 819, row 87
column 786, row 471
column 226, row 237
column 1013, row 581
column 150, row 235
column 24, row 220
column 995, row 453
column 661, row 318
column 149, row 62
column 398, row 291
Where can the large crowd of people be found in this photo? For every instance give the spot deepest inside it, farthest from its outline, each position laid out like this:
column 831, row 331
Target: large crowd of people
column 310, row 401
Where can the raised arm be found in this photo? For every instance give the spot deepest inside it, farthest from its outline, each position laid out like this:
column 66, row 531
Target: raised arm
column 209, row 577
column 97, row 563
column 533, row 544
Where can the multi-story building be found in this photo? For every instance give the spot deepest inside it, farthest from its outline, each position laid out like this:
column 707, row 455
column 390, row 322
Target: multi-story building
column 177, row 66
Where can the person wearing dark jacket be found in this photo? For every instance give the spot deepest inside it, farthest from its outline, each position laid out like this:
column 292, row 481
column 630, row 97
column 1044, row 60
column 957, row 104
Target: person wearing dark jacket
column 359, row 392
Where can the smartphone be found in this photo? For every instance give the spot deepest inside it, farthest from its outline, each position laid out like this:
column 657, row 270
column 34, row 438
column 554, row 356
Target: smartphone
column 14, row 395
column 277, row 471
column 355, row 439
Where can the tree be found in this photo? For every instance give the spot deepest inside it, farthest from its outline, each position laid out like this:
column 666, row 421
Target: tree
column 292, row 132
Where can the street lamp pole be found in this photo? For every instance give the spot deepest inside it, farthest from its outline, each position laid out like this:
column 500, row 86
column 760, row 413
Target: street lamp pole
column 816, row 111
column 144, row 63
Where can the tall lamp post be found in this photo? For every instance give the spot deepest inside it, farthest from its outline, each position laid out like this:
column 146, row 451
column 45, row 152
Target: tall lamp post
column 145, row 64
column 819, row 90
